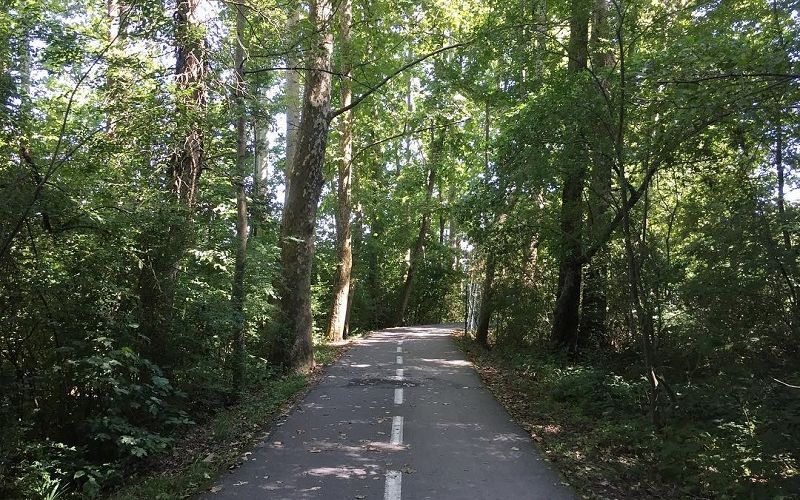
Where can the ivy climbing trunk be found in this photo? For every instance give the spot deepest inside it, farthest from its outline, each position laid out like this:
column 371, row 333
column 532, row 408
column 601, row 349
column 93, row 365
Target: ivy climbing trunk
column 344, row 208
column 167, row 240
column 306, row 179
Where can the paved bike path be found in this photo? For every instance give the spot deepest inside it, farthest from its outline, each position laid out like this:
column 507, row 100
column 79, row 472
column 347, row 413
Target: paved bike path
column 401, row 415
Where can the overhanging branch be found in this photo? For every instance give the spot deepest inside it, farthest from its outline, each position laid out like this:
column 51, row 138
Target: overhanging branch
column 386, row 80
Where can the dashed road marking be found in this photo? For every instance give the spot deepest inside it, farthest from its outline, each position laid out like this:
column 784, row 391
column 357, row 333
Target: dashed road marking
column 397, row 431
column 399, row 349
column 399, row 360
column 398, row 396
column 393, row 482
column 399, row 373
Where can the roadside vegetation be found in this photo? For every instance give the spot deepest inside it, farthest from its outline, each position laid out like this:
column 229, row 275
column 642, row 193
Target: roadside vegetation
column 725, row 436
column 196, row 193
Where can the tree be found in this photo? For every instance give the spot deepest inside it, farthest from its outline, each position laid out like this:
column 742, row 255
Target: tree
column 306, row 179
column 344, row 244
column 293, row 99
column 238, row 290
column 162, row 252
column 594, row 301
column 567, row 309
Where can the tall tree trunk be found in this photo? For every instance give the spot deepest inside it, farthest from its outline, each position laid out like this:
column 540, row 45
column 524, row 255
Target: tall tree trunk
column 261, row 171
column 437, row 147
column 781, row 170
column 293, row 104
column 164, row 249
column 191, row 67
column 238, row 289
column 344, row 249
column 540, row 12
column 487, row 306
column 113, row 13
column 594, row 302
column 567, row 310
column 306, row 179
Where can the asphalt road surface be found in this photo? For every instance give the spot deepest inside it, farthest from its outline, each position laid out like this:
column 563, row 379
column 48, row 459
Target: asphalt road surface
column 401, row 415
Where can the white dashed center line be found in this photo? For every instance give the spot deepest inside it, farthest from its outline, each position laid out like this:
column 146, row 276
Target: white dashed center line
column 393, row 482
column 397, row 431
column 394, row 477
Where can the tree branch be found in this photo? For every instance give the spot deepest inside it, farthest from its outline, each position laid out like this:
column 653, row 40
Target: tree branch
column 386, row 80
column 406, row 133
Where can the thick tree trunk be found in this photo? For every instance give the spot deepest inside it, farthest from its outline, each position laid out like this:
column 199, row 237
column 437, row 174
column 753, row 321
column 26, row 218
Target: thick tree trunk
column 594, row 302
column 190, row 70
column 566, row 315
column 306, row 178
column 437, row 146
column 485, row 315
column 344, row 249
column 293, row 104
column 164, row 248
column 238, row 290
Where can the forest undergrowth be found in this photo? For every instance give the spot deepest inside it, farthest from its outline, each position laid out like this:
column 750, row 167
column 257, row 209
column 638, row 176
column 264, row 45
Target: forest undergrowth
column 725, row 437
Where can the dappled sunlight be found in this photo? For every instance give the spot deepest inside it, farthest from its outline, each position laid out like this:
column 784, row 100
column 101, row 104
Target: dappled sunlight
column 458, row 425
column 547, row 429
column 508, row 438
column 447, row 362
column 344, row 472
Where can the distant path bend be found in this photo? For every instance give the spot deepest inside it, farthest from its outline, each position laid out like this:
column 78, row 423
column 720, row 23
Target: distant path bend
column 401, row 415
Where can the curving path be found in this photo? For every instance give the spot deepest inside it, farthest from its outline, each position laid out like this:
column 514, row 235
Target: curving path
column 401, row 415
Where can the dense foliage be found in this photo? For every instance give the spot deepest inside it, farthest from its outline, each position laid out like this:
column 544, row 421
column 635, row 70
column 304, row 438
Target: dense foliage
column 605, row 190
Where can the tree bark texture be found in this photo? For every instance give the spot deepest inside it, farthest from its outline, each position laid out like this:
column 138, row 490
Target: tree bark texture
column 344, row 248
column 306, row 179
column 293, row 104
column 191, row 68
